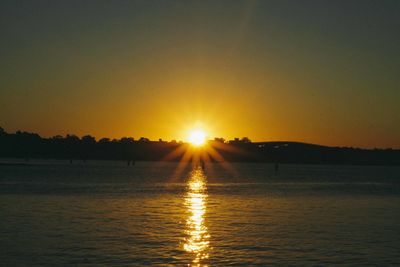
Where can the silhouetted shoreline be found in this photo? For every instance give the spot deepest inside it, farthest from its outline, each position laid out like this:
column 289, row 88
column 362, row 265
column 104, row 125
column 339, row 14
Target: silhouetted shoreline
column 27, row 146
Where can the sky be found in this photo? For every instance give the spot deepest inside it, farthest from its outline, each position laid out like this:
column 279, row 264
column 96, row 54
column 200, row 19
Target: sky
column 324, row 72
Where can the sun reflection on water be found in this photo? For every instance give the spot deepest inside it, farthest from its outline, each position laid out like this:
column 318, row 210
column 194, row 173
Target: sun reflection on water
column 197, row 241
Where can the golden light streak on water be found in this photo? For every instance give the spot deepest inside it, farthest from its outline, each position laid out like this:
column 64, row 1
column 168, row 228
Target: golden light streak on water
column 197, row 241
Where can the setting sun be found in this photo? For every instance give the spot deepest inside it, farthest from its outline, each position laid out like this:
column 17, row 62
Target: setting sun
column 197, row 137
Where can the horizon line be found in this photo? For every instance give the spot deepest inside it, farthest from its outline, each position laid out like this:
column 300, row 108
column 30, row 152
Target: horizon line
column 235, row 139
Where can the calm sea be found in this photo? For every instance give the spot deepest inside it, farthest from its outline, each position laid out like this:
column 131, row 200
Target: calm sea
column 53, row 213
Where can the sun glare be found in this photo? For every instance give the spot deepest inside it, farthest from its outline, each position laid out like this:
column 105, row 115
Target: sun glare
column 197, row 137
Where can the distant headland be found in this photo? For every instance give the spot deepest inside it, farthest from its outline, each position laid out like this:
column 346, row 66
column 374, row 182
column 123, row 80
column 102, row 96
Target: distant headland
column 27, row 146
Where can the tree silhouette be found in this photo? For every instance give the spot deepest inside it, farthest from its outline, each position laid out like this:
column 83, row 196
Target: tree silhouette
column 27, row 145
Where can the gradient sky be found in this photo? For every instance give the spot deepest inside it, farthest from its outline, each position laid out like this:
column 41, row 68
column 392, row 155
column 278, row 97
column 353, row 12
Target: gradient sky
column 322, row 72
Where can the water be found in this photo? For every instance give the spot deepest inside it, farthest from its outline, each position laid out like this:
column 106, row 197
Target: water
column 164, row 214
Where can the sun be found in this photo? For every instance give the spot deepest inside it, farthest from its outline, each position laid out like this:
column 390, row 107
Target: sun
column 197, row 137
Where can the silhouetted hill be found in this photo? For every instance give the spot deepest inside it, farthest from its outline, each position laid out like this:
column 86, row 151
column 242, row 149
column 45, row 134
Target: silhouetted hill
column 296, row 152
column 30, row 145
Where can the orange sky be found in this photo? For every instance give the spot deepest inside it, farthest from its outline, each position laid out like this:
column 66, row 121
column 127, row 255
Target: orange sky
column 325, row 74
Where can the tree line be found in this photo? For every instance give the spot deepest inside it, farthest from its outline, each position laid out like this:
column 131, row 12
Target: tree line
column 27, row 145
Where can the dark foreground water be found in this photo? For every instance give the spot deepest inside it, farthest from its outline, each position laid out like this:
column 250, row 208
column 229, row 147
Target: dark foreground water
column 159, row 214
